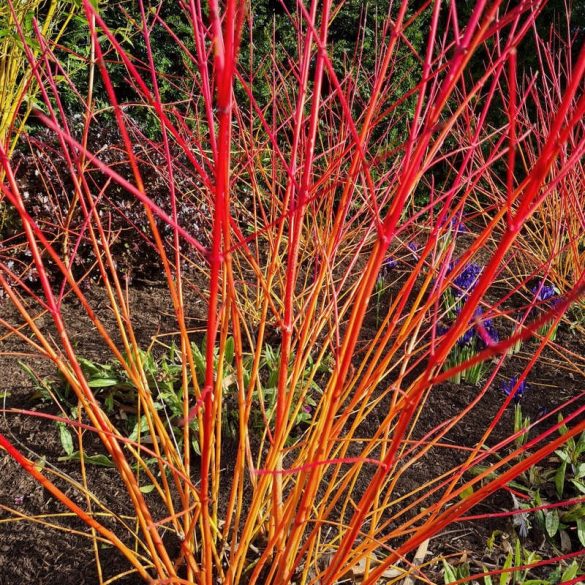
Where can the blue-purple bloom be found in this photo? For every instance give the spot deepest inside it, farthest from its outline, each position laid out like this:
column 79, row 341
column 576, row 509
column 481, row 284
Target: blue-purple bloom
column 389, row 263
column 507, row 388
column 387, row 266
column 467, row 338
column 491, row 330
column 414, row 248
column 467, row 279
column 487, row 332
column 543, row 292
column 458, row 226
column 483, row 333
column 442, row 328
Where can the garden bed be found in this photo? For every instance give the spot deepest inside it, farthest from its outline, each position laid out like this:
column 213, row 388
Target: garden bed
column 31, row 552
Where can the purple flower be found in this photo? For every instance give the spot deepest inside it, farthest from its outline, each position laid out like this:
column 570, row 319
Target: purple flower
column 487, row 332
column 442, row 328
column 467, row 338
column 543, row 292
column 491, row 330
column 389, row 264
column 414, row 248
column 467, row 279
column 458, row 226
column 507, row 388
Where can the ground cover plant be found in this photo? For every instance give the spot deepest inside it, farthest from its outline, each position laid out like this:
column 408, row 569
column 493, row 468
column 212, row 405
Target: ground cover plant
column 339, row 250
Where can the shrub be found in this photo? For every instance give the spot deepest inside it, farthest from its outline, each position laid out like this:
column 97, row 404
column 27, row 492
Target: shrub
column 16, row 39
column 306, row 198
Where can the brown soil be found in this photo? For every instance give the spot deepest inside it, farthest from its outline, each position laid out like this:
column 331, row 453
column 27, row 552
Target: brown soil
column 32, row 552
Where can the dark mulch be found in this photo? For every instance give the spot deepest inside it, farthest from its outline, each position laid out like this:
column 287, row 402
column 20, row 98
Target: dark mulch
column 31, row 552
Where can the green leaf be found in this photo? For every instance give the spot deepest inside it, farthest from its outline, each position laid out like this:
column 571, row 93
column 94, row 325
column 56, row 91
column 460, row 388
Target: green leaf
column 449, row 575
column 100, row 459
column 580, row 447
column 518, row 426
column 466, row 493
column 463, row 571
column 530, row 557
column 136, row 431
column 198, row 360
column 146, row 489
column 517, row 553
column 563, row 428
column 581, row 530
column 39, row 464
column 574, row 513
column 89, row 366
column 551, row 523
column 570, row 572
column 505, row 577
column 38, row 383
column 103, row 382
column 229, row 350
column 560, row 479
column 66, row 438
